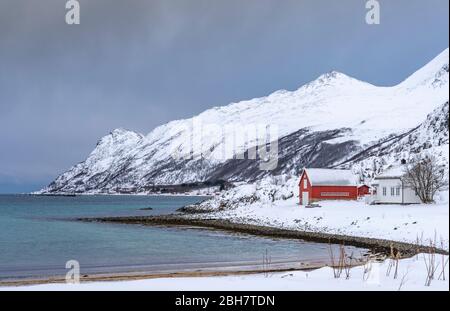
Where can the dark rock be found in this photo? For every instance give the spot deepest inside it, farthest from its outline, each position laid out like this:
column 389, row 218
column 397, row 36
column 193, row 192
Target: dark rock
column 146, row 209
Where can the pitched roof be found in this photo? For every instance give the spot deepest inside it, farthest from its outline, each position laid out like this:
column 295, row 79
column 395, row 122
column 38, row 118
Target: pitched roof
column 331, row 177
column 393, row 172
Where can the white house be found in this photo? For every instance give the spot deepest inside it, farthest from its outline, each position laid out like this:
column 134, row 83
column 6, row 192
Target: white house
column 391, row 189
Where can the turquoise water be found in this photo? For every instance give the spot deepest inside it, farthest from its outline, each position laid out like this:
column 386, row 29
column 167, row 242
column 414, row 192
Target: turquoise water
column 37, row 238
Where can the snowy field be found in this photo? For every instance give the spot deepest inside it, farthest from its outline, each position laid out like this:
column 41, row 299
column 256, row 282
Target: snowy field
column 411, row 276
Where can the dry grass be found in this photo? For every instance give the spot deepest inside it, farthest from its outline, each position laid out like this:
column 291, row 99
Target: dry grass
column 266, row 263
column 394, row 261
column 444, row 262
column 367, row 270
column 342, row 263
column 430, row 262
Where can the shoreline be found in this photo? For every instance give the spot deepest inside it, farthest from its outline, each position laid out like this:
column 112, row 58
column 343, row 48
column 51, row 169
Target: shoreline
column 225, row 270
column 376, row 246
column 114, row 194
column 378, row 249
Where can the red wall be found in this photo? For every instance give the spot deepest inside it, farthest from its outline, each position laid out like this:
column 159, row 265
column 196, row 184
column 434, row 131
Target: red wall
column 324, row 192
column 317, row 193
column 363, row 190
column 301, row 187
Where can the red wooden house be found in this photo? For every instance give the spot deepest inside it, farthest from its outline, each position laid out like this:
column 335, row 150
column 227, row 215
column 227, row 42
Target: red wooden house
column 318, row 184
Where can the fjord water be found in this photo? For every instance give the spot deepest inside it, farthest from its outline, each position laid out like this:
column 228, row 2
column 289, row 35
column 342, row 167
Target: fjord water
column 38, row 235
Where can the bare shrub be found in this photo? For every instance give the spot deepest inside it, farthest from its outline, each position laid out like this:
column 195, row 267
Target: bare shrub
column 426, row 177
column 418, row 245
column 348, row 266
column 394, row 262
column 444, row 262
column 430, row 263
column 391, row 263
column 367, row 270
column 343, row 263
column 266, row 263
column 397, row 262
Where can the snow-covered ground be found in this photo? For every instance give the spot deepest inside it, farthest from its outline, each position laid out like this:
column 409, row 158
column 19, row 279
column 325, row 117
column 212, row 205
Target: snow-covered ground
column 391, row 222
column 411, row 276
column 268, row 204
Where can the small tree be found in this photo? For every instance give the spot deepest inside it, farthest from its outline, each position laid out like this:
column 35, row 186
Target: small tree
column 426, row 177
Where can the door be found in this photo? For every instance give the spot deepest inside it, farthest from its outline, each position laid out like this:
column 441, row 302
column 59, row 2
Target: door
column 305, row 198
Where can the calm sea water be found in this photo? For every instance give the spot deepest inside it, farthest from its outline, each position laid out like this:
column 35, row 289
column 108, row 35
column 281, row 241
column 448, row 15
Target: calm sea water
column 37, row 238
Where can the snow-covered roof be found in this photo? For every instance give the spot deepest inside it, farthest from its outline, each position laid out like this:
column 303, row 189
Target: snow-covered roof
column 393, row 172
column 331, row 177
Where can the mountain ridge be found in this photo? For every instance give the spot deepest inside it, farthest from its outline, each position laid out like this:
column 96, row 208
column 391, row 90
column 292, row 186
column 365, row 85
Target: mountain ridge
column 321, row 113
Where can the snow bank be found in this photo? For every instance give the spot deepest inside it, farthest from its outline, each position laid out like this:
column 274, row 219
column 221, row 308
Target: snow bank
column 411, row 276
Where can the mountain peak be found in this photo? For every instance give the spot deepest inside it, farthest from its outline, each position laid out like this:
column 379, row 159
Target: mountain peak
column 333, row 74
column 119, row 136
column 333, row 78
column 121, row 131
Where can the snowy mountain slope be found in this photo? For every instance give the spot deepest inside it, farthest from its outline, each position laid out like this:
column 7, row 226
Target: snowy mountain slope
column 296, row 151
column 431, row 136
column 111, row 157
column 332, row 115
column 323, row 149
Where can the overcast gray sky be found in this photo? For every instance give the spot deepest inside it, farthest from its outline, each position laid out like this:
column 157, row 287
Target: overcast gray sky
column 138, row 64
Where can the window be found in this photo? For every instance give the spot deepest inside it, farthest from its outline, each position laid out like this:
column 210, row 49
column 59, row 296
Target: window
column 305, row 183
column 397, row 191
column 392, row 191
column 335, row 194
column 384, row 191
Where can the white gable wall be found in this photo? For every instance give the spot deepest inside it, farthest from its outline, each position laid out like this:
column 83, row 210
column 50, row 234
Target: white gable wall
column 390, row 191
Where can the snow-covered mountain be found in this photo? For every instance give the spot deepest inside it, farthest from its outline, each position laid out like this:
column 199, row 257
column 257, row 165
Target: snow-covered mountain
column 431, row 137
column 334, row 120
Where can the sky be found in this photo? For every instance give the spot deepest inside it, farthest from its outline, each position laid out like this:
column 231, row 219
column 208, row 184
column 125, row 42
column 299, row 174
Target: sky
column 137, row 64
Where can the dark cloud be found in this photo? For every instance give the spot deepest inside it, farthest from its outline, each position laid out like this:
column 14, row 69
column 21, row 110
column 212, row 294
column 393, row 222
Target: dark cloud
column 140, row 63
